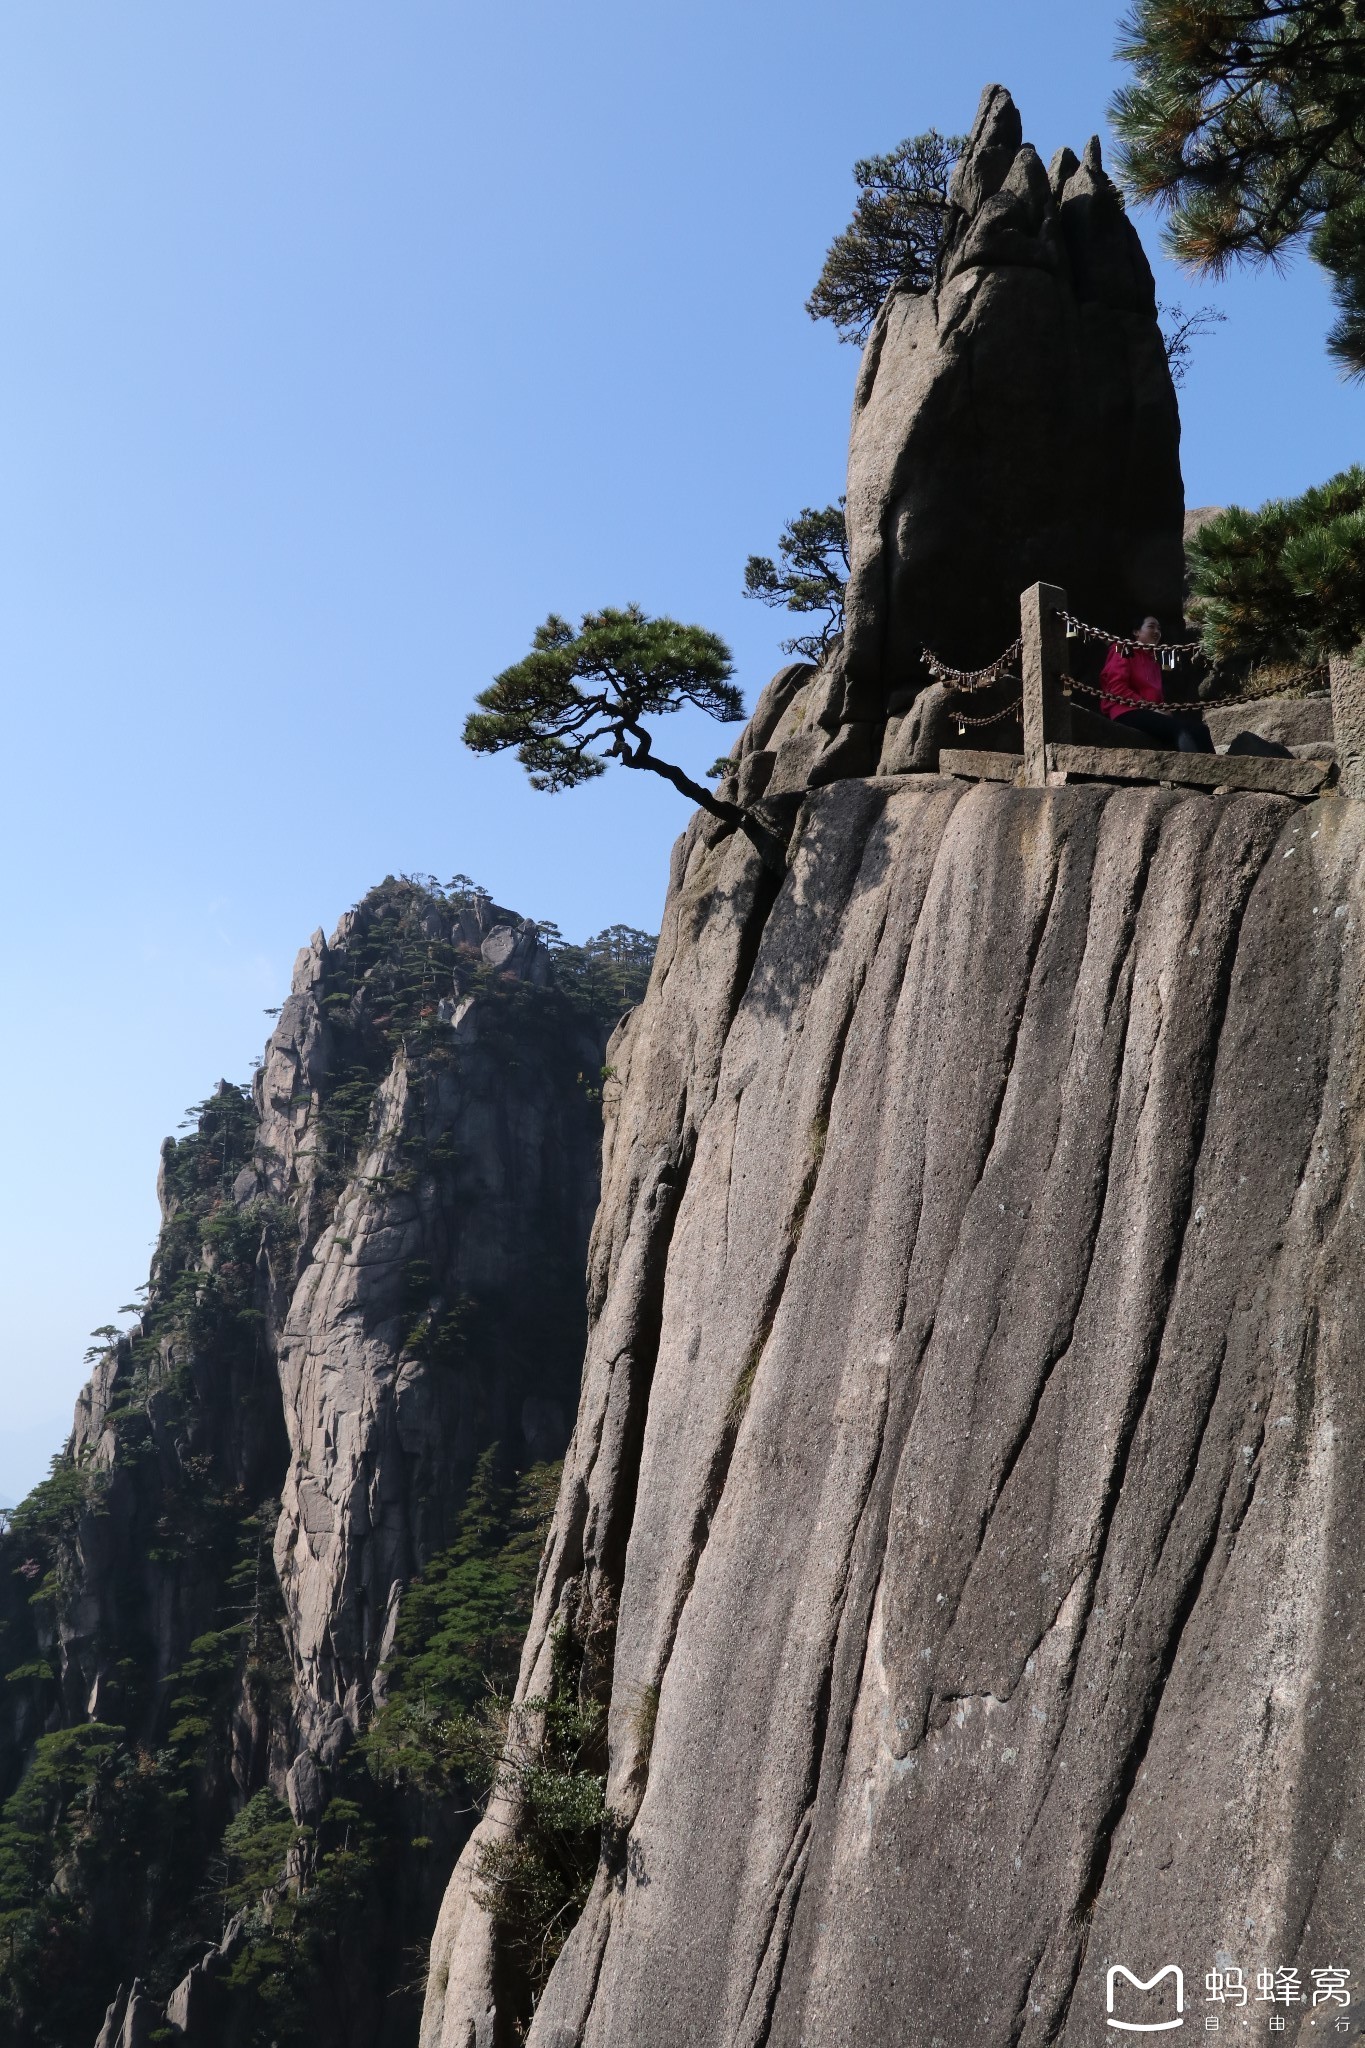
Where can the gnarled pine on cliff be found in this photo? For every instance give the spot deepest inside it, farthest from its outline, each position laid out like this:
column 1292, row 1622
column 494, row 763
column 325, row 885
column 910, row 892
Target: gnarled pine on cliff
column 965, row 1469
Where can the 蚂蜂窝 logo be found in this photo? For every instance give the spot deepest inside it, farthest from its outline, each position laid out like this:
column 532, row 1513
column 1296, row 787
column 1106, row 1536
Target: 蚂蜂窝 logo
column 1145, row 1984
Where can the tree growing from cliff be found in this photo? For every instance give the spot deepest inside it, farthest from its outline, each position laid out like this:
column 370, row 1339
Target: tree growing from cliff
column 894, row 238
column 895, row 235
column 1245, row 119
column 811, row 579
column 1287, row 582
column 448, row 1712
column 460, row 1631
column 609, row 972
column 1180, row 330
column 580, row 698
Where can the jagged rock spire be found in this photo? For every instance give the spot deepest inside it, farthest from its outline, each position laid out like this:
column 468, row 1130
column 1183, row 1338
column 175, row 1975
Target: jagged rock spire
column 1017, row 422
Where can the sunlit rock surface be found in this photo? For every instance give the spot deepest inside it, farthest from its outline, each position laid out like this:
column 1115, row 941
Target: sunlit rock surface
column 971, row 1429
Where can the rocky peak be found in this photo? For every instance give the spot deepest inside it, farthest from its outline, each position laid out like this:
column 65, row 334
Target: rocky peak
column 340, row 1015
column 997, row 134
column 1015, row 423
column 368, row 1283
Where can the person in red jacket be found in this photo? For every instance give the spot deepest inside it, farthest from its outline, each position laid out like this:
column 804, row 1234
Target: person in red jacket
column 1133, row 674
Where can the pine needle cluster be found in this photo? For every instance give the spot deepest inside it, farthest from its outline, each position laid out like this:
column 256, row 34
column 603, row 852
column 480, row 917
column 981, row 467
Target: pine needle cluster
column 1245, row 119
column 1286, row 582
column 580, row 698
column 811, row 579
column 589, row 688
column 895, row 235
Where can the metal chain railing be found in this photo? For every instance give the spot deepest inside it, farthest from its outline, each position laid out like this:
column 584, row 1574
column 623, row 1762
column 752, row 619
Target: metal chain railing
column 1070, row 683
column 966, row 682
column 1079, row 629
column 1014, row 710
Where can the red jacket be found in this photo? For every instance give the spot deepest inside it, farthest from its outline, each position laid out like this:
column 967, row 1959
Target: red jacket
column 1136, row 675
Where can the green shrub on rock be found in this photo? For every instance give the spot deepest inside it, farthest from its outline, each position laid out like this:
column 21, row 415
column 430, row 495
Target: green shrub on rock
column 460, row 1632
column 1287, row 582
column 534, row 1882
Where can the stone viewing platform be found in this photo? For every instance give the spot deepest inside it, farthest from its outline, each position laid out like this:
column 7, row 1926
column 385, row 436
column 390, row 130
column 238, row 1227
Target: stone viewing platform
column 1066, row 742
column 1301, row 779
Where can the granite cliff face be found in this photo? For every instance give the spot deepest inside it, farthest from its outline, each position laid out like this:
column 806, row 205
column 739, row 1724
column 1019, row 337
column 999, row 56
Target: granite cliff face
column 369, row 1273
column 958, row 1530
column 950, row 1592
column 458, row 1239
column 968, row 1450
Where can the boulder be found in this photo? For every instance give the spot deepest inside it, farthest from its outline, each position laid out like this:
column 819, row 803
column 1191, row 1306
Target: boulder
column 1293, row 721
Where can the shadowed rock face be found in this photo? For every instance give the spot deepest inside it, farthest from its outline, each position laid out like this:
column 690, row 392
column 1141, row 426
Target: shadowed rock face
column 1015, row 424
column 971, row 1429
column 370, row 1271
column 432, row 1305
column 437, row 1310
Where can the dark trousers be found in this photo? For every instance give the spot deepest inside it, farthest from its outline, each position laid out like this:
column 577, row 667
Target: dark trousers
column 1183, row 731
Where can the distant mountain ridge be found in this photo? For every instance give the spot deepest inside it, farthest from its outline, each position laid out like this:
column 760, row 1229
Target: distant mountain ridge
column 368, row 1283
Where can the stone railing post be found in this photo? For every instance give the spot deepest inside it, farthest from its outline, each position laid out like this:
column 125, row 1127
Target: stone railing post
column 1047, row 711
column 1348, row 722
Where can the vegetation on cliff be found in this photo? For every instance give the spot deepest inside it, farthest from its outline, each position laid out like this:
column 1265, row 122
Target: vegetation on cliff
column 1246, row 120
column 163, row 1526
column 148, row 1708
column 900, row 222
column 895, row 236
column 1285, row 583
column 460, row 1630
column 305, row 1894
column 580, row 698
column 385, row 987
column 813, row 571
column 548, row 1754
column 448, row 1725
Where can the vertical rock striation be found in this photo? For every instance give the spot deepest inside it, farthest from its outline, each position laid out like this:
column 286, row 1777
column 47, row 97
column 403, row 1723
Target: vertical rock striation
column 440, row 1309
column 970, row 1425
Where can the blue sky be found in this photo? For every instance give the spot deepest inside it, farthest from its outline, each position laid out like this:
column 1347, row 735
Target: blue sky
column 342, row 343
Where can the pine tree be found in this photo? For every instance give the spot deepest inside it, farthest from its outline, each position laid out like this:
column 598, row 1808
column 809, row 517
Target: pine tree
column 1287, row 582
column 895, row 235
column 812, row 578
column 580, row 699
column 1246, row 120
